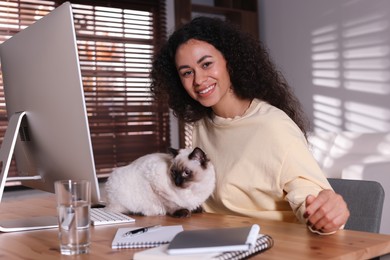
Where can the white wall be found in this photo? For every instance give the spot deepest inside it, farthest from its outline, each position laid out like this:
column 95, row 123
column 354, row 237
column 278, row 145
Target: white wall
column 336, row 55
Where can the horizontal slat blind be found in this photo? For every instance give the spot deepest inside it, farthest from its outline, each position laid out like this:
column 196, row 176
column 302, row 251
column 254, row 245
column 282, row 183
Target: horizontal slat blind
column 115, row 51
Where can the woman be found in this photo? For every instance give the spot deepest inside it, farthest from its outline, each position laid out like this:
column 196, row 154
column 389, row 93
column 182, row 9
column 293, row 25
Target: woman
column 249, row 122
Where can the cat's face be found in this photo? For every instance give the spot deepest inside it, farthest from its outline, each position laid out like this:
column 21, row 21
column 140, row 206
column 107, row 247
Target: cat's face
column 189, row 167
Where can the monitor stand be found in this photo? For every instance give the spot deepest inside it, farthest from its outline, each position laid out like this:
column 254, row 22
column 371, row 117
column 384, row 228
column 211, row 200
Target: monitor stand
column 6, row 152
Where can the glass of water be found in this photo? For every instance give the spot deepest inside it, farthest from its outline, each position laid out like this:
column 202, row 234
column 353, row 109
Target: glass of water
column 73, row 208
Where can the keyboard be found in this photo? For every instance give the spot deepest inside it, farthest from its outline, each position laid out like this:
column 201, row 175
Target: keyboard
column 100, row 216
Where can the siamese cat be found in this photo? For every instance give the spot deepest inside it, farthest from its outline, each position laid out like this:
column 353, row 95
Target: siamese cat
column 174, row 183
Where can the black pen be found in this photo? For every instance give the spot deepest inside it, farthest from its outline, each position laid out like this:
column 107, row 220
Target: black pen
column 140, row 230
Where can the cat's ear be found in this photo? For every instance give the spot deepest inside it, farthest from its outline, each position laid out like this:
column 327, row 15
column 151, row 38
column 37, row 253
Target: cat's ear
column 200, row 156
column 172, row 151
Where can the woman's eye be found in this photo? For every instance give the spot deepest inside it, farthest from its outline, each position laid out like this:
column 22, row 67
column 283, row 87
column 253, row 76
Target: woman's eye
column 206, row 65
column 186, row 73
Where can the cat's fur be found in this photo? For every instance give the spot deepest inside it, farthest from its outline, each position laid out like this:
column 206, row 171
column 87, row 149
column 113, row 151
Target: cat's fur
column 175, row 183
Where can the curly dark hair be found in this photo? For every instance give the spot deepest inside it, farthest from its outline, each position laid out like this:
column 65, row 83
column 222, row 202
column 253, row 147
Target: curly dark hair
column 251, row 71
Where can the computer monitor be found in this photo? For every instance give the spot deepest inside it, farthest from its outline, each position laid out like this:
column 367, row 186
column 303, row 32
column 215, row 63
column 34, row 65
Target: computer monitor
column 45, row 101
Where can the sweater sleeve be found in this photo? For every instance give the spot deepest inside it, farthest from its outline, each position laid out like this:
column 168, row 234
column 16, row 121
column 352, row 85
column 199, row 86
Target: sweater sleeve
column 301, row 176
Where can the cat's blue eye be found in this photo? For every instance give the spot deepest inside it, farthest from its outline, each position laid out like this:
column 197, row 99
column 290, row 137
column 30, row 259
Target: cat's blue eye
column 186, row 173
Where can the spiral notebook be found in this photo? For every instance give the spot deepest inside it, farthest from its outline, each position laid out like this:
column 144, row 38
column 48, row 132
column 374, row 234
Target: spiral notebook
column 263, row 243
column 152, row 238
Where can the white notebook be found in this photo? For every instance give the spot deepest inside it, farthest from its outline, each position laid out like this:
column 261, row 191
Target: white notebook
column 151, row 238
column 160, row 253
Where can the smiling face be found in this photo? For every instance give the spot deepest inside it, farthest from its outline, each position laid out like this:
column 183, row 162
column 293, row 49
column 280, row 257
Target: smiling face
column 204, row 75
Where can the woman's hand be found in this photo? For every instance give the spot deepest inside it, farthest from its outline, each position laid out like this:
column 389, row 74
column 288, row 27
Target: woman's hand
column 327, row 212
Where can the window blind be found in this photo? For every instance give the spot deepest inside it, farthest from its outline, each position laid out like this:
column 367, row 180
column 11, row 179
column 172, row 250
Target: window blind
column 116, row 41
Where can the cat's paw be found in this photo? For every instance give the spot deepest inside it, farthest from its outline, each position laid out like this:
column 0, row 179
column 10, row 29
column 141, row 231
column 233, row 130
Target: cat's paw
column 136, row 213
column 181, row 213
column 198, row 210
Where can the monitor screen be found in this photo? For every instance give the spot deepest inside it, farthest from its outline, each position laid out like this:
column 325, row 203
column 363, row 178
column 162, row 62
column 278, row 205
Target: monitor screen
column 42, row 79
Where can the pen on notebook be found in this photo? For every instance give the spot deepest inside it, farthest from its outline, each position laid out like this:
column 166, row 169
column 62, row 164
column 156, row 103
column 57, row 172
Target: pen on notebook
column 140, row 230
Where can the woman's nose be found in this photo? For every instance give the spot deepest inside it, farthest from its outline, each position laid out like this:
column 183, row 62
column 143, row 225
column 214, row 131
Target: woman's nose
column 199, row 78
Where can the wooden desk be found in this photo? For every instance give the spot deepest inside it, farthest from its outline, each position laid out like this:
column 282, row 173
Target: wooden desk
column 292, row 241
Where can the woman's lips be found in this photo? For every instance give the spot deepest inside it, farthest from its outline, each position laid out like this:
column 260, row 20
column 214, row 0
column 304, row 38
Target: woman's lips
column 206, row 90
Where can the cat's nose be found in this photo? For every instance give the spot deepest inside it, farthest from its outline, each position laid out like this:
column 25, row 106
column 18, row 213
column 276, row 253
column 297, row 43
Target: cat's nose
column 178, row 180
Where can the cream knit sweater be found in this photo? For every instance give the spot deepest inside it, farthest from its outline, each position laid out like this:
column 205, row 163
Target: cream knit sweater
column 263, row 164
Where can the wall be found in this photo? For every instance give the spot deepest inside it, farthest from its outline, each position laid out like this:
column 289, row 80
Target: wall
column 336, row 55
